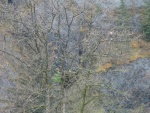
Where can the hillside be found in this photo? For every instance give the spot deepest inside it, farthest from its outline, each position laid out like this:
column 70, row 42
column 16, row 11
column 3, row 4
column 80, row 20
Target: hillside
column 73, row 56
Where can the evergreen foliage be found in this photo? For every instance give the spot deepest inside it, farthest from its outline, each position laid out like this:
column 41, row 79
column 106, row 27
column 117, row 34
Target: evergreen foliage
column 123, row 8
column 124, row 15
column 146, row 21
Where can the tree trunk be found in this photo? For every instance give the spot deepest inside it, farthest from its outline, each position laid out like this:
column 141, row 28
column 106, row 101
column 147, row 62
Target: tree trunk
column 48, row 100
column 63, row 100
column 83, row 101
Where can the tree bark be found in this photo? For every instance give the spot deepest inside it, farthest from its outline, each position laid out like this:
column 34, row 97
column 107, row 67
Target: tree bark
column 48, row 100
column 63, row 100
column 84, row 99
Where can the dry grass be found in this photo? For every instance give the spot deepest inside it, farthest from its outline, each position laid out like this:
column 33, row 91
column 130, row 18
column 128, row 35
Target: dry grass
column 140, row 44
column 137, row 49
column 104, row 67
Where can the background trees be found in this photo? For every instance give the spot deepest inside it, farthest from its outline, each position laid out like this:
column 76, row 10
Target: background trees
column 50, row 53
column 58, row 51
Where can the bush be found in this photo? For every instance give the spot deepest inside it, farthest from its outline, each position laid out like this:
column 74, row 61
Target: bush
column 146, row 21
column 123, row 16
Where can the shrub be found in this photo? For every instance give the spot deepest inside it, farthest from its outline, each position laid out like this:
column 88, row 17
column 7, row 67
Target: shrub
column 124, row 15
column 146, row 21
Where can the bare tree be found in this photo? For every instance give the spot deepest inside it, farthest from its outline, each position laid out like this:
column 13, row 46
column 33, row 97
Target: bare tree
column 56, row 48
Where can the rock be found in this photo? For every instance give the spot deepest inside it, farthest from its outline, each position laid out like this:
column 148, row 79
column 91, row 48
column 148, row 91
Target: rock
column 130, row 85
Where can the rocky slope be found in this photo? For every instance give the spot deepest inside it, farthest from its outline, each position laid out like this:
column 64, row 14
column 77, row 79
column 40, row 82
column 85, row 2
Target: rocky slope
column 129, row 86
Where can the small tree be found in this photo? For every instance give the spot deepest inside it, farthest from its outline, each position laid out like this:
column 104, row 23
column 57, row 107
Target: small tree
column 146, row 21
